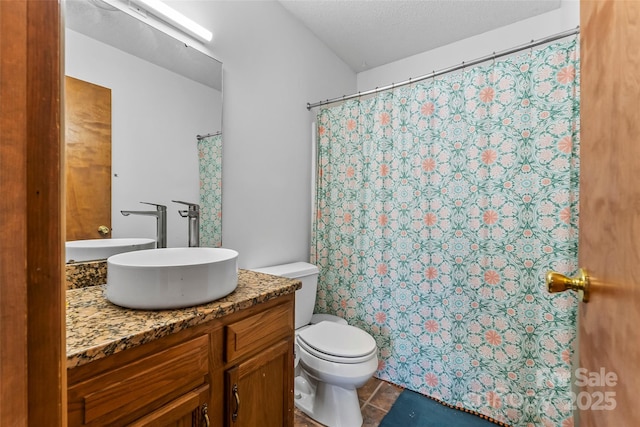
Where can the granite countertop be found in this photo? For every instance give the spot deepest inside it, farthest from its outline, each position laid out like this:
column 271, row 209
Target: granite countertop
column 97, row 328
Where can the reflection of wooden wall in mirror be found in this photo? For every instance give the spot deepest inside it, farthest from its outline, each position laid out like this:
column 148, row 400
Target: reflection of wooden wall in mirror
column 88, row 159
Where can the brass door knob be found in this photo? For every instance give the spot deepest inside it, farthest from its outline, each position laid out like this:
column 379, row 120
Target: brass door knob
column 103, row 230
column 557, row 282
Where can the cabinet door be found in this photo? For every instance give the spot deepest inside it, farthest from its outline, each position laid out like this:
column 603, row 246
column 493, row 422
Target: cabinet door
column 189, row 410
column 260, row 390
column 132, row 390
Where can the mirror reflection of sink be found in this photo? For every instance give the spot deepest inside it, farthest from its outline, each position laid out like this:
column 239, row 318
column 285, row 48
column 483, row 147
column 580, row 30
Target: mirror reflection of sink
column 171, row 277
column 93, row 249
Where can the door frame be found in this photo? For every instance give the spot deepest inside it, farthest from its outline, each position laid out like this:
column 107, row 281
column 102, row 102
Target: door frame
column 32, row 295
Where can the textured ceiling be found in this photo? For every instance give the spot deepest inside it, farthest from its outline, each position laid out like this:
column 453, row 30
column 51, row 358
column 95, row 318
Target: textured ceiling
column 370, row 33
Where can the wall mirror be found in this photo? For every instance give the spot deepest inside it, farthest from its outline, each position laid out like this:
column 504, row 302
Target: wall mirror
column 149, row 96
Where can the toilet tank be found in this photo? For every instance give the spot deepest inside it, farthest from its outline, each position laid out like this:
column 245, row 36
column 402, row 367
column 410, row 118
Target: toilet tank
column 305, row 296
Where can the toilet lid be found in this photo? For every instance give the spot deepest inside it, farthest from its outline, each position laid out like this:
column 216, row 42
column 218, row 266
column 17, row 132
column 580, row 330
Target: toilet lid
column 338, row 340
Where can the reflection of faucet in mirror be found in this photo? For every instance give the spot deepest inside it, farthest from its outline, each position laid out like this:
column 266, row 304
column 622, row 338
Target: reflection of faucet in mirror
column 193, row 215
column 161, row 222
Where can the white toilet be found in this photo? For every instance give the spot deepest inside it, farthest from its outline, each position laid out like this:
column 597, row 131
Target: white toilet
column 333, row 359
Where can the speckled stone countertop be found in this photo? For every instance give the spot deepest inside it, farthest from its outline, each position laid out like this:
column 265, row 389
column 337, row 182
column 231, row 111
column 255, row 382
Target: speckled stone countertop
column 97, row 328
column 86, row 273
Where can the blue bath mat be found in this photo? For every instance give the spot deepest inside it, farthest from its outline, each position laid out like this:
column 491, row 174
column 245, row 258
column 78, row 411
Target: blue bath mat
column 412, row 409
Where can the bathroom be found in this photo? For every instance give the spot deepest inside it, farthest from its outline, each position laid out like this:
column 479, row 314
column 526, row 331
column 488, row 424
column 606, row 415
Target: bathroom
column 264, row 53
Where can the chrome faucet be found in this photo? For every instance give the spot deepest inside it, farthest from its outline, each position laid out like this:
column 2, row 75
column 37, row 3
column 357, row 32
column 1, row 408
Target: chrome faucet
column 161, row 222
column 193, row 215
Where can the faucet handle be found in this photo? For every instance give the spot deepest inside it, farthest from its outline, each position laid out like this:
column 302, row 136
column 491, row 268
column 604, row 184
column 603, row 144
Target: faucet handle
column 158, row 207
column 192, row 206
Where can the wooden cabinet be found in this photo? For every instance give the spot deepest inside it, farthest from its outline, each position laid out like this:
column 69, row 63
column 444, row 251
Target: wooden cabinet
column 259, row 373
column 158, row 382
column 233, row 371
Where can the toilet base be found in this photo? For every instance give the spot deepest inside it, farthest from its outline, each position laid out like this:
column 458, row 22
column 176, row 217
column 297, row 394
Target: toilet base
column 328, row 404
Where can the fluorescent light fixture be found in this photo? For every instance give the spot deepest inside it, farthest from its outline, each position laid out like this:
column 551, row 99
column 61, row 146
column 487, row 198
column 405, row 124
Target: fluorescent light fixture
column 166, row 19
column 172, row 16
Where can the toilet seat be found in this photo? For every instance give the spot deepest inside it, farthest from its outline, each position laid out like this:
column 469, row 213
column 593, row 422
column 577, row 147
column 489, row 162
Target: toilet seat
column 338, row 343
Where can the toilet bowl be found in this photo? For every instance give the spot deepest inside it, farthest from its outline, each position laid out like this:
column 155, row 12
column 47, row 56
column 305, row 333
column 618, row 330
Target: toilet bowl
column 333, row 359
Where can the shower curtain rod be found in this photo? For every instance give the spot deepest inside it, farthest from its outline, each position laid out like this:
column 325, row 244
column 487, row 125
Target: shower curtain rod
column 494, row 55
column 199, row 137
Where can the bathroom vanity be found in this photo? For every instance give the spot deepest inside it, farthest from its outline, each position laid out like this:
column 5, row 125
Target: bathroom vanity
column 226, row 363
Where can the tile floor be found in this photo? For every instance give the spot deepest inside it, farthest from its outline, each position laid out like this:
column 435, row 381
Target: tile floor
column 376, row 398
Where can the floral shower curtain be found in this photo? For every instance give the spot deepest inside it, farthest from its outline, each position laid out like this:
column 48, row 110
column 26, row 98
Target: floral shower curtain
column 210, row 164
column 440, row 207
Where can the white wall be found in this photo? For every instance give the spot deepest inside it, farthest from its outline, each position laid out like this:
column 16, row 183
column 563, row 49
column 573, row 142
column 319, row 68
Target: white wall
column 156, row 115
column 272, row 67
column 565, row 18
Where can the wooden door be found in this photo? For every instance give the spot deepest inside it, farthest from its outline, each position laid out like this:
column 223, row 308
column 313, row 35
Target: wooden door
column 259, row 390
column 609, row 367
column 88, row 159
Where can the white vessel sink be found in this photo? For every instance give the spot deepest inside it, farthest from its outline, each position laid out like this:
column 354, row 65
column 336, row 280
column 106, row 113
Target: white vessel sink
column 93, row 249
column 171, row 277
